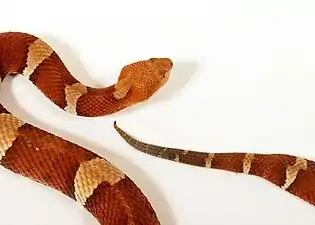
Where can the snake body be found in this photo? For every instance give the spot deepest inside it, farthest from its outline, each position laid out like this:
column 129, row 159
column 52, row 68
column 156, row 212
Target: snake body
column 104, row 190
column 295, row 175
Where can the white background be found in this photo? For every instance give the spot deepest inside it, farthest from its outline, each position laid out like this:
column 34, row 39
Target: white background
column 243, row 81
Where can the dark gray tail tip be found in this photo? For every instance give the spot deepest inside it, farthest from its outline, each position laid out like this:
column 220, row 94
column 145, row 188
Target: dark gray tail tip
column 115, row 123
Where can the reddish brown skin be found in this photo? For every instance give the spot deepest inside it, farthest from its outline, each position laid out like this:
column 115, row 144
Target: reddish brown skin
column 56, row 160
column 271, row 167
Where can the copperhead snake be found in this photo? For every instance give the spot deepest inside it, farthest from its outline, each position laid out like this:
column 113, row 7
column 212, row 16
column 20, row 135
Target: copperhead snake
column 102, row 188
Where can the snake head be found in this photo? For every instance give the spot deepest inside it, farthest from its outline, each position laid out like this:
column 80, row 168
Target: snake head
column 143, row 78
column 162, row 67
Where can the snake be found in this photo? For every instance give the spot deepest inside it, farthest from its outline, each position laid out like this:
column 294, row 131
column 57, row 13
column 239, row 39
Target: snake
column 294, row 175
column 27, row 150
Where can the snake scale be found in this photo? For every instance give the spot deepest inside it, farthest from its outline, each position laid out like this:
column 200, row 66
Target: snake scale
column 104, row 190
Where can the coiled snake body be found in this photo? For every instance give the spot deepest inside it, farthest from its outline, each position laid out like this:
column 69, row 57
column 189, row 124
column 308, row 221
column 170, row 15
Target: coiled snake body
column 84, row 176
